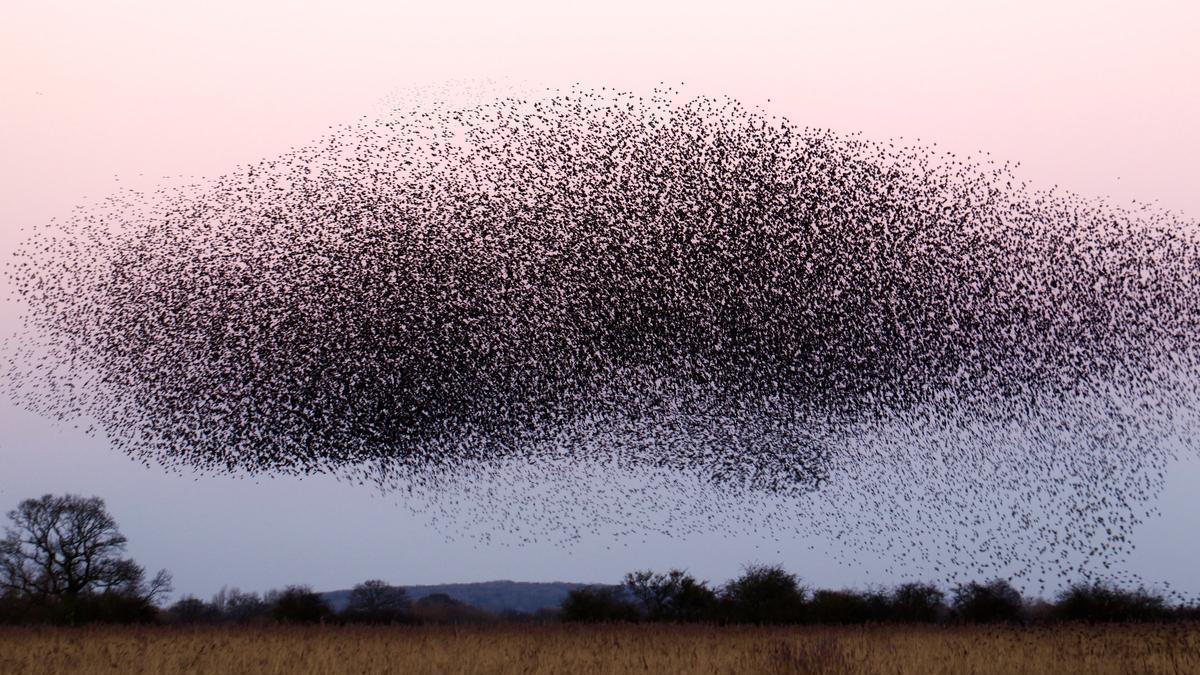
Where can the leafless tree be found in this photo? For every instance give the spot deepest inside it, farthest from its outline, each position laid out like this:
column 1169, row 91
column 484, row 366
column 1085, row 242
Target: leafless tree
column 59, row 548
column 377, row 601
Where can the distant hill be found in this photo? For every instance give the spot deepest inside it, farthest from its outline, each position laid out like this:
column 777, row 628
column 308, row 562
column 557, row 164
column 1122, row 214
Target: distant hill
column 494, row 596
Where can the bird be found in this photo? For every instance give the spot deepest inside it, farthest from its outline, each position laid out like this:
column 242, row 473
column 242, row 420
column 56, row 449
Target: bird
column 593, row 313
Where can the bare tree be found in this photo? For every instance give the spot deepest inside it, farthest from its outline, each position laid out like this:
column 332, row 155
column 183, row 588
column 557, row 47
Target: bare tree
column 674, row 596
column 59, row 548
column 238, row 607
column 298, row 604
column 994, row 602
column 377, row 601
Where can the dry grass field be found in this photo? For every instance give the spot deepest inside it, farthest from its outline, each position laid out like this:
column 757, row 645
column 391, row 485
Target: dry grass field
column 920, row 650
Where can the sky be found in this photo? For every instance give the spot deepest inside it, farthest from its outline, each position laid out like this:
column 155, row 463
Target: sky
column 1100, row 98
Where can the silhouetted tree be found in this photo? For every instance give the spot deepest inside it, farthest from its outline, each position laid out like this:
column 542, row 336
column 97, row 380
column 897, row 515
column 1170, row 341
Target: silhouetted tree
column 1103, row 602
column 994, row 602
column 841, row 607
column 598, row 604
column 674, row 596
column 917, row 602
column 63, row 554
column 441, row 608
column 769, row 594
column 191, row 609
column 764, row 594
column 235, row 606
column 376, row 601
column 298, row 604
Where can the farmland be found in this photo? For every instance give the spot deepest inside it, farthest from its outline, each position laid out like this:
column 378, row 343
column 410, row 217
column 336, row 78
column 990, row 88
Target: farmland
column 557, row 648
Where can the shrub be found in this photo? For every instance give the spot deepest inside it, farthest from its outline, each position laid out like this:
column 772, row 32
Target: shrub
column 193, row 610
column 994, row 602
column 675, row 596
column 441, row 608
column 598, row 604
column 764, row 594
column 1103, row 602
column 298, row 604
column 235, row 606
column 842, row 607
column 113, row 607
column 376, row 601
column 916, row 602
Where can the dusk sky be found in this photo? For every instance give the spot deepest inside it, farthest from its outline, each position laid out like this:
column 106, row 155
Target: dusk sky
column 1099, row 98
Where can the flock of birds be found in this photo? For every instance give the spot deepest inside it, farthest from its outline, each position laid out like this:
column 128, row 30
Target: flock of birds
column 590, row 310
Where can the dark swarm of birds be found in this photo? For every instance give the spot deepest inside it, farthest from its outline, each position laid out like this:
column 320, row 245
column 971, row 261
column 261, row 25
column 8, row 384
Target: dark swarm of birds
column 591, row 311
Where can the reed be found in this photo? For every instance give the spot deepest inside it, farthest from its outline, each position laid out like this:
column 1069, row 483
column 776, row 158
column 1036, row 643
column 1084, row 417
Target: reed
column 554, row 648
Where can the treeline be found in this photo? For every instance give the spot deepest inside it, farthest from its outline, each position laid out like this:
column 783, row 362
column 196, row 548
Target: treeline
column 762, row 594
column 371, row 602
column 62, row 561
column 769, row 594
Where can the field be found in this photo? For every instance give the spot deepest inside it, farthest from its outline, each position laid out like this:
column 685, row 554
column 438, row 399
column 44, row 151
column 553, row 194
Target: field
column 921, row 650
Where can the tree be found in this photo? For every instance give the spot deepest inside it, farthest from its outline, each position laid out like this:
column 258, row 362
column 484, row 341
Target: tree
column 441, row 608
column 994, row 602
column 61, row 551
column 597, row 604
column 191, row 609
column 917, row 602
column 376, row 601
column 298, row 604
column 1103, row 602
column 674, row 596
column 765, row 594
column 235, row 606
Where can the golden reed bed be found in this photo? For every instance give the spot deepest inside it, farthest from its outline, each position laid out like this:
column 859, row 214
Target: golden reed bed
column 921, row 650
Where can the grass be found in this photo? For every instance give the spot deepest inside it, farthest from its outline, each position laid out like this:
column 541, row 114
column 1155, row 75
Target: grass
column 921, row 650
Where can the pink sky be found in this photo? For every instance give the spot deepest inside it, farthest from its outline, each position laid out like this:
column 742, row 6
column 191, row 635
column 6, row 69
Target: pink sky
column 1101, row 98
